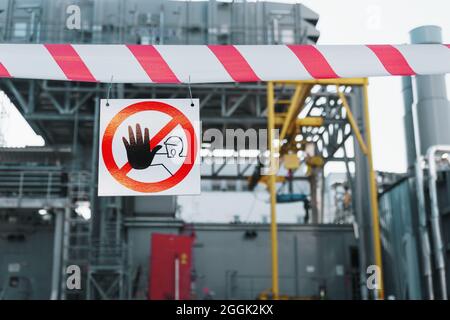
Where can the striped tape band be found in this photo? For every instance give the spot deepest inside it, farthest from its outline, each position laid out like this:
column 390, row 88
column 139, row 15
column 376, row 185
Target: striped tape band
column 217, row 63
column 3, row 72
column 70, row 62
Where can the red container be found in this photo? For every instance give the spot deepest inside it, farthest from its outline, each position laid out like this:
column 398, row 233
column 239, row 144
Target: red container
column 170, row 267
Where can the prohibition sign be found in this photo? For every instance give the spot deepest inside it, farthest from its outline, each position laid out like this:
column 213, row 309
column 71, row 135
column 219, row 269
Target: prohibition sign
column 178, row 118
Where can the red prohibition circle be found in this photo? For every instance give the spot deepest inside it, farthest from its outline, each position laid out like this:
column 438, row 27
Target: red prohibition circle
column 120, row 174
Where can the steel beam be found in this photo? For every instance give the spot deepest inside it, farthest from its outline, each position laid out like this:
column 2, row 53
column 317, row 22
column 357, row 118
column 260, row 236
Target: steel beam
column 272, row 188
column 38, row 116
column 236, row 105
column 373, row 195
column 22, row 104
column 352, row 122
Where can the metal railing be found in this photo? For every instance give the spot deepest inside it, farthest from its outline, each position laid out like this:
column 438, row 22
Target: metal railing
column 44, row 184
column 33, row 184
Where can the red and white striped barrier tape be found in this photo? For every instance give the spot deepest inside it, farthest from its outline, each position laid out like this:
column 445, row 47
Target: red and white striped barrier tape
column 217, row 63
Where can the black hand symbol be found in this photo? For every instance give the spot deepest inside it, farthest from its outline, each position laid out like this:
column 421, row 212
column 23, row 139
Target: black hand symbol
column 139, row 154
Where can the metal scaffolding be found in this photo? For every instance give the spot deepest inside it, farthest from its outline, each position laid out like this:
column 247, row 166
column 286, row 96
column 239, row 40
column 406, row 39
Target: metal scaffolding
column 315, row 118
column 326, row 126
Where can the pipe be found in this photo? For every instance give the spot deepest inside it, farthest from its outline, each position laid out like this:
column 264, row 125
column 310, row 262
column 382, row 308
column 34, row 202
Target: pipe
column 435, row 216
column 57, row 254
column 272, row 188
column 420, row 193
column 408, row 99
column 423, row 230
column 177, row 278
column 296, row 266
column 429, row 113
column 373, row 196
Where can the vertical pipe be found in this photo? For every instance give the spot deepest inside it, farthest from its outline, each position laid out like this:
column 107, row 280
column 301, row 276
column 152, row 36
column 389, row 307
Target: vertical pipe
column 435, row 217
column 95, row 208
column 177, row 278
column 314, row 219
column 76, row 125
column 373, row 197
column 420, row 193
column 430, row 116
column 272, row 187
column 95, row 220
column 8, row 23
column 57, row 253
column 408, row 99
column 65, row 249
column 297, row 289
column 161, row 25
column 322, row 195
column 414, row 167
column 361, row 199
column 431, row 96
column 95, row 138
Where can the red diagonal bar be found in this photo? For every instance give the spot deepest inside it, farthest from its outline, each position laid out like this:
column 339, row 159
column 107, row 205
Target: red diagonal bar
column 392, row 59
column 235, row 64
column 70, row 62
column 153, row 63
column 313, row 61
column 4, row 72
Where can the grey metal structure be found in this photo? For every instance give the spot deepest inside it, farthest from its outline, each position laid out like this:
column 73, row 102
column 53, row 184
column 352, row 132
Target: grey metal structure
column 26, row 246
column 427, row 113
column 113, row 247
column 159, row 22
column 432, row 113
column 245, row 273
column 433, row 110
column 361, row 200
column 435, row 216
column 443, row 186
column 229, row 273
column 61, row 175
column 400, row 244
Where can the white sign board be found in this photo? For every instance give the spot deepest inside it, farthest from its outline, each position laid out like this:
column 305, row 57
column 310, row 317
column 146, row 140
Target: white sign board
column 149, row 147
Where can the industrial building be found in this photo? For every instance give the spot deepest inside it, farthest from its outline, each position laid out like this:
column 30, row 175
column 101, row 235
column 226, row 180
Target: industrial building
column 339, row 224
